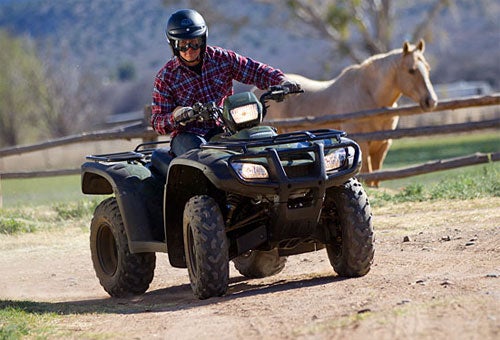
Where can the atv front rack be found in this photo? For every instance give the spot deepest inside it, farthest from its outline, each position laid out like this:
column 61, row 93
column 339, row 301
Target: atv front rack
column 242, row 145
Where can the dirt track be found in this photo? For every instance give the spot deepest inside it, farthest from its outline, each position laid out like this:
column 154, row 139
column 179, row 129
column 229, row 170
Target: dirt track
column 443, row 283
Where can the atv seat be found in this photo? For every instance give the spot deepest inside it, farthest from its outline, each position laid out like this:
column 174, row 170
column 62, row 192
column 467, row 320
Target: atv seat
column 160, row 160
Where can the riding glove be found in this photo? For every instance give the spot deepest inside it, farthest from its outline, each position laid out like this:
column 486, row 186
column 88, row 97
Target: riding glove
column 182, row 114
column 291, row 85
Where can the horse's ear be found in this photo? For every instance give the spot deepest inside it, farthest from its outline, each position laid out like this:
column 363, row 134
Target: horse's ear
column 421, row 45
column 406, row 47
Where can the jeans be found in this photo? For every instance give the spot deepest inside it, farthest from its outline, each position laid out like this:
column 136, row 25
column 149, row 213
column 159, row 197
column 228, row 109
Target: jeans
column 185, row 141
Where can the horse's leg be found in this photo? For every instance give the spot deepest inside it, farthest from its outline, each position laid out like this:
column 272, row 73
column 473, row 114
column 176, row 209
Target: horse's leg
column 379, row 149
column 378, row 152
column 366, row 162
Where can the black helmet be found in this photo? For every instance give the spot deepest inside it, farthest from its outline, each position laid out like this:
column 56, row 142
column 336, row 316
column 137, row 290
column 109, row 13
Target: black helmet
column 186, row 24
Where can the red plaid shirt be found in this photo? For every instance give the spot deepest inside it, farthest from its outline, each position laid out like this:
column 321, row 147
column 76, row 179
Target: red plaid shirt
column 177, row 85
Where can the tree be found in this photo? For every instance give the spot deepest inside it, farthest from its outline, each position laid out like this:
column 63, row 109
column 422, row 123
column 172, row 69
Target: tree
column 20, row 82
column 359, row 28
column 67, row 105
column 38, row 100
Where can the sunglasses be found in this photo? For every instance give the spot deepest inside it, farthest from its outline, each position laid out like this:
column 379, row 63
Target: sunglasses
column 184, row 45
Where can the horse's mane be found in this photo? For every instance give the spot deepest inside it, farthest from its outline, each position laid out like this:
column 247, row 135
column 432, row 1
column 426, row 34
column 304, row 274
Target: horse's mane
column 379, row 56
column 371, row 61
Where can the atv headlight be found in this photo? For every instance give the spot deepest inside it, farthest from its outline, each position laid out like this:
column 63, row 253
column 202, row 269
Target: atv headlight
column 250, row 170
column 241, row 110
column 335, row 159
column 246, row 113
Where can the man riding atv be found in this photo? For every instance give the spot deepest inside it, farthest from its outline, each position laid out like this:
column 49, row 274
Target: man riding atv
column 247, row 195
column 199, row 73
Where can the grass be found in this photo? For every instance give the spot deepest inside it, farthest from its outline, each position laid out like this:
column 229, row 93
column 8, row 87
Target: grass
column 16, row 323
column 464, row 183
column 25, row 319
column 465, row 186
column 17, row 220
column 411, row 151
column 40, row 191
column 418, row 150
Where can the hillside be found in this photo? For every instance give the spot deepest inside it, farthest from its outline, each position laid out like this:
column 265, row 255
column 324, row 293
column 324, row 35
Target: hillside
column 101, row 36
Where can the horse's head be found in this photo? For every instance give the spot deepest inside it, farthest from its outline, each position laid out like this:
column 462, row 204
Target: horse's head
column 413, row 76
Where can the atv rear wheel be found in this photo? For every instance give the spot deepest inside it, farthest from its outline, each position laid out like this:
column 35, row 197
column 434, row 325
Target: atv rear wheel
column 351, row 251
column 119, row 272
column 206, row 247
column 258, row 264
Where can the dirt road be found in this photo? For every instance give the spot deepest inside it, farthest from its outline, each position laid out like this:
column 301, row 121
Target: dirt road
column 436, row 275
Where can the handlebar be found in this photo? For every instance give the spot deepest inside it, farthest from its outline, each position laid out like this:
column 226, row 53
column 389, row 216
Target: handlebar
column 276, row 93
column 203, row 112
column 206, row 111
column 211, row 111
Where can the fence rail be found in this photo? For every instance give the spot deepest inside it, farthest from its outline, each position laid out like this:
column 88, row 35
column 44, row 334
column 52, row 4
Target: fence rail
column 39, row 173
column 407, row 110
column 142, row 131
column 145, row 132
column 432, row 166
column 123, row 133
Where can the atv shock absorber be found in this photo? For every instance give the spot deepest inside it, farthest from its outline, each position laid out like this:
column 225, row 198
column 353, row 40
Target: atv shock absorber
column 232, row 202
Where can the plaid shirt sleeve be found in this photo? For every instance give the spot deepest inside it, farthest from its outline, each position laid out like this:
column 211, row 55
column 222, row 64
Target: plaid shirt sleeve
column 162, row 106
column 176, row 85
column 249, row 71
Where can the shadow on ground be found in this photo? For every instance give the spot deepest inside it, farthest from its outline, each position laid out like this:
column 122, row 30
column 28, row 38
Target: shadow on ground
column 169, row 299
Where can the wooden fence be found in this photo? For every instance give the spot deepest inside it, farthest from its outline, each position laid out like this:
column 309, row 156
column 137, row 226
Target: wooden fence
column 143, row 131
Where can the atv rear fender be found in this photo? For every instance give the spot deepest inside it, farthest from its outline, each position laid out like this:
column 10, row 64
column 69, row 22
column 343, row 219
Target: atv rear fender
column 139, row 197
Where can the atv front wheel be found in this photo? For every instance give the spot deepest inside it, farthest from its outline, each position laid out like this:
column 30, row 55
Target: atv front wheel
column 119, row 272
column 351, row 250
column 206, row 247
column 256, row 264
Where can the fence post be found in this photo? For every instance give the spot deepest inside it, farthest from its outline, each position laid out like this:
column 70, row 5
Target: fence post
column 146, row 123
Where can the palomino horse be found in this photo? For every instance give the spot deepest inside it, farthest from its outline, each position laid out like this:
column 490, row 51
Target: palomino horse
column 377, row 82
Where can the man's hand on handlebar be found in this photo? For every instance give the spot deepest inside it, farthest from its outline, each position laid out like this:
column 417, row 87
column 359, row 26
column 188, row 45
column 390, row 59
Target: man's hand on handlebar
column 183, row 114
column 279, row 92
column 292, row 86
column 199, row 112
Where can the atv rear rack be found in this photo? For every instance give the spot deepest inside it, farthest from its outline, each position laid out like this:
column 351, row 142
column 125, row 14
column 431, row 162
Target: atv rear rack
column 142, row 152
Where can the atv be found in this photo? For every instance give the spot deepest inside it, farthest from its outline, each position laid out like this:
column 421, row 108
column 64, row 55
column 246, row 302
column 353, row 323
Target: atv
column 249, row 195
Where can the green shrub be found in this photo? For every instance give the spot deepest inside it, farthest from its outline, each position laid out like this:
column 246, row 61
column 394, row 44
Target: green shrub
column 12, row 225
column 468, row 186
column 74, row 210
column 19, row 324
column 413, row 192
column 485, row 183
column 30, row 219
